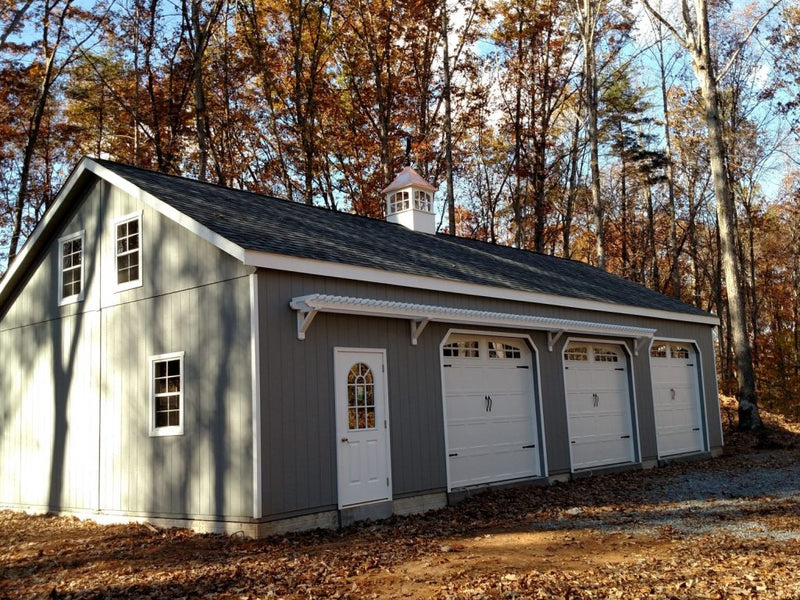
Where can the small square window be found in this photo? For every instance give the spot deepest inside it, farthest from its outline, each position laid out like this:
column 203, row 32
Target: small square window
column 679, row 352
column 465, row 349
column 70, row 274
column 579, row 353
column 128, row 251
column 166, row 394
column 500, row 350
column 658, row 351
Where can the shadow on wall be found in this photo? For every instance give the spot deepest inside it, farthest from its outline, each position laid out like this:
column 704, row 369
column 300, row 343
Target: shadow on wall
column 189, row 473
column 65, row 357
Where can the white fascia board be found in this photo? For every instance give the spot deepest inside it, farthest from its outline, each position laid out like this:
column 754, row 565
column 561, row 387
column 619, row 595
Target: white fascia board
column 44, row 225
column 308, row 266
column 168, row 211
column 425, row 312
column 54, row 213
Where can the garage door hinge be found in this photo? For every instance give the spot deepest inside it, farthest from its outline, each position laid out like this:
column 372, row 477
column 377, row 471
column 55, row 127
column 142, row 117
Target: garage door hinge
column 624, row 437
column 453, row 454
column 696, row 429
column 529, row 446
column 690, row 365
column 448, row 365
column 619, row 369
column 522, row 366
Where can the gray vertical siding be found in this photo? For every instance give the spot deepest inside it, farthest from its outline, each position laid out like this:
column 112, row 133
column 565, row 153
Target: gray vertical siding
column 298, row 427
column 75, row 432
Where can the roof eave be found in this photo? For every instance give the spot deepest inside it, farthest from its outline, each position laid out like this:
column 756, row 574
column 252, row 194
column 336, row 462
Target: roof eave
column 63, row 203
column 310, row 266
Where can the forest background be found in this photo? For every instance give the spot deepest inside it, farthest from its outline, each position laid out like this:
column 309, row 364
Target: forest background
column 571, row 127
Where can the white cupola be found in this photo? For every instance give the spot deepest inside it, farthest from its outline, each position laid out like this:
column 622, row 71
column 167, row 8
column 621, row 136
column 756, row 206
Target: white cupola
column 409, row 201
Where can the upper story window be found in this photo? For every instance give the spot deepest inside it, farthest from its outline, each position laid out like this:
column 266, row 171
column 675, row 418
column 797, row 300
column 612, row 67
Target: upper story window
column 422, row 200
column 399, row 201
column 166, row 394
column 464, row 349
column 70, row 274
column 128, row 251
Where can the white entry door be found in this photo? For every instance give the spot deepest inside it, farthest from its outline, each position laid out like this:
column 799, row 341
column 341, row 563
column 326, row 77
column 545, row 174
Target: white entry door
column 598, row 405
column 679, row 422
column 362, row 426
column 492, row 431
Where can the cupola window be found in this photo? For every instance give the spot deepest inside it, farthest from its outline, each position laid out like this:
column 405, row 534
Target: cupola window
column 399, row 201
column 422, row 200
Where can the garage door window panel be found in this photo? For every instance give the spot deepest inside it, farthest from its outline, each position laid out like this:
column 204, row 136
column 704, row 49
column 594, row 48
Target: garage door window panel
column 500, row 351
column 462, row 349
column 679, row 352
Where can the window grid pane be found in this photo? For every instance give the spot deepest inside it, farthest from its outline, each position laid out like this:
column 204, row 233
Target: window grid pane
column 500, row 350
column 72, row 269
column 167, row 392
column 605, row 356
column 466, row 349
column 580, row 353
column 360, row 398
column 128, row 251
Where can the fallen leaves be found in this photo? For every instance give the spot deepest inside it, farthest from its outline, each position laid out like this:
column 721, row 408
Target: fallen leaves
column 723, row 528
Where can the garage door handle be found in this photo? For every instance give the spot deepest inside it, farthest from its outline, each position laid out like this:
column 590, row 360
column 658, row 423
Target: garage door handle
column 453, row 454
column 345, row 440
column 624, row 437
column 672, row 393
column 596, row 399
column 696, row 429
column 488, row 403
column 529, row 446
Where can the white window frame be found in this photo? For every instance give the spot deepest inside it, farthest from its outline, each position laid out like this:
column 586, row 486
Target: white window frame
column 64, row 300
column 168, row 430
column 134, row 283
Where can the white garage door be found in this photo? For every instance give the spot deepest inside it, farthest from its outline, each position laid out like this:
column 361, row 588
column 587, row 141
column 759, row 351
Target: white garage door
column 677, row 398
column 598, row 405
column 489, row 409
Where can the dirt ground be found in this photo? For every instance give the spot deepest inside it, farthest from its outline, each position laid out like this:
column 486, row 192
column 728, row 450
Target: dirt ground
column 722, row 528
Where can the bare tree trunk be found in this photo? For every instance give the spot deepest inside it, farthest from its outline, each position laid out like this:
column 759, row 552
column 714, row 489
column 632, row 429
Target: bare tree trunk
column 674, row 270
column 748, row 410
column 572, row 192
column 35, row 121
column 200, row 35
column 587, row 12
column 697, row 42
column 448, row 118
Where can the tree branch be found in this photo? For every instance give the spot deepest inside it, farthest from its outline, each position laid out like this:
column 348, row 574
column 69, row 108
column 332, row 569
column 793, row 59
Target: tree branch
column 658, row 17
column 746, row 38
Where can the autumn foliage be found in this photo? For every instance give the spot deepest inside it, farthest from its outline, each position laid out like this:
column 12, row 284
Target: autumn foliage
column 315, row 100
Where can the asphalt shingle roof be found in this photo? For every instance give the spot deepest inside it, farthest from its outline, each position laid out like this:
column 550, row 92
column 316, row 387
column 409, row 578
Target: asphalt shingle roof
column 261, row 223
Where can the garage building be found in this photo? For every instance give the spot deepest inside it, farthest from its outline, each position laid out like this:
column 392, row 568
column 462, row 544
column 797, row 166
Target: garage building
column 190, row 354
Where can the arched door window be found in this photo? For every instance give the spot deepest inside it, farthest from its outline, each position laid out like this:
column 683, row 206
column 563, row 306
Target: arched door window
column 360, row 397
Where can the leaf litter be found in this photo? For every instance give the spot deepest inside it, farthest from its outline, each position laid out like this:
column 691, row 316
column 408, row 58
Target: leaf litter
column 722, row 528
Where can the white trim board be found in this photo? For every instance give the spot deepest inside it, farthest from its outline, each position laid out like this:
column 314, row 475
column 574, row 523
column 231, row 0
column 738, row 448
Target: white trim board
column 309, row 266
column 308, row 306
